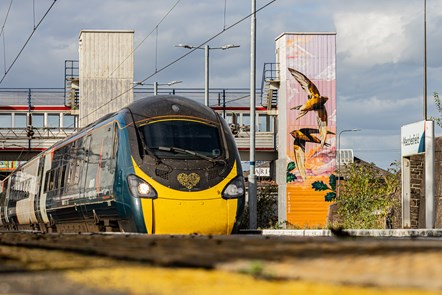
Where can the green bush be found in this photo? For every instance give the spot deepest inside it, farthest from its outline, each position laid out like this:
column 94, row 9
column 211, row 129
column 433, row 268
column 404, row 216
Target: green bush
column 367, row 196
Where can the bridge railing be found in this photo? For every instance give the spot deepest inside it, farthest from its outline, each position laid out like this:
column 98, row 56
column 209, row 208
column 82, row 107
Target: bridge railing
column 43, row 133
column 42, row 138
column 264, row 141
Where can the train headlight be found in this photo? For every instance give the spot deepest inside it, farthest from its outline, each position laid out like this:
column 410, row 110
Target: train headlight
column 140, row 188
column 234, row 189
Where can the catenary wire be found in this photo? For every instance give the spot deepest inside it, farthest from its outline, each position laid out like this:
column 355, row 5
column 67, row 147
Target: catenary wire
column 3, row 36
column 234, row 99
column 33, row 11
column 27, row 41
column 6, row 17
column 225, row 8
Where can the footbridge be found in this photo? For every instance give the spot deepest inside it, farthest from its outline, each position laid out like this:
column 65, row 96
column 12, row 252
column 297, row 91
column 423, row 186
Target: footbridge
column 31, row 120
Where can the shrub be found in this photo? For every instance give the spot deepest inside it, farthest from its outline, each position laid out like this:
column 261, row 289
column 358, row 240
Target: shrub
column 367, row 197
column 267, row 208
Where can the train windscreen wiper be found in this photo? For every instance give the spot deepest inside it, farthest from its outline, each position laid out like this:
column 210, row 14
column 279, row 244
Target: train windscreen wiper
column 184, row 151
column 146, row 149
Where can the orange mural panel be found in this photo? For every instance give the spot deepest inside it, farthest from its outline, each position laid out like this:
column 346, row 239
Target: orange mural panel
column 306, row 208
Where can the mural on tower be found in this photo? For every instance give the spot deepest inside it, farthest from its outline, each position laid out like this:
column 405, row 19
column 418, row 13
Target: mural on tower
column 308, row 62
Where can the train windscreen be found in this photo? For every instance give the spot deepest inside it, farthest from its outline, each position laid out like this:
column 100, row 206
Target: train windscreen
column 181, row 139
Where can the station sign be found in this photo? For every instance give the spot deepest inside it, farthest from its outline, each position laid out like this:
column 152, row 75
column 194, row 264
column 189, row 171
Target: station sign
column 413, row 139
column 262, row 171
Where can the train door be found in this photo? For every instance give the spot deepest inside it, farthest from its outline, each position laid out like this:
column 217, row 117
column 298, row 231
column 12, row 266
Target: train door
column 4, row 202
column 3, row 188
column 25, row 193
column 47, row 159
column 83, row 177
column 39, row 209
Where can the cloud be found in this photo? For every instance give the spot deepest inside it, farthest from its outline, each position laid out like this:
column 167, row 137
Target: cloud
column 366, row 39
column 377, row 113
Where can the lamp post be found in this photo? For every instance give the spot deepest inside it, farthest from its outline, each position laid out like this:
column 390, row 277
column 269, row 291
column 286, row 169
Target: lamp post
column 425, row 60
column 156, row 84
column 206, row 64
column 339, row 154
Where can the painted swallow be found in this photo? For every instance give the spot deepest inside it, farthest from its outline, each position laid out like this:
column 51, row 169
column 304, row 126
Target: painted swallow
column 302, row 136
column 315, row 102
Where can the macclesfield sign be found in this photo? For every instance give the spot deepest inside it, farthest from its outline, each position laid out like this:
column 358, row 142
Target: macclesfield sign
column 413, row 139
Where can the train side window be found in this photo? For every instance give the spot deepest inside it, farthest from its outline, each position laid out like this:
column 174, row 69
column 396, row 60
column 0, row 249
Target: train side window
column 63, row 176
column 76, row 178
column 83, row 153
column 95, row 158
column 55, row 179
column 107, row 162
column 51, row 181
column 115, row 141
column 71, row 172
column 46, row 185
column 79, row 160
column 45, row 182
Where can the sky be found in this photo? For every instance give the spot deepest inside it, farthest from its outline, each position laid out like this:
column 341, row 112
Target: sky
column 380, row 49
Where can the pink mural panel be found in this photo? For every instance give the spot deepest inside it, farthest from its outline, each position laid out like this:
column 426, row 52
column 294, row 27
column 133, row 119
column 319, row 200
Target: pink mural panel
column 309, row 67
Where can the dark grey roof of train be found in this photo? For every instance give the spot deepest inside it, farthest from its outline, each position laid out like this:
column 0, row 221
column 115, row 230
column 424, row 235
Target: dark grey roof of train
column 163, row 105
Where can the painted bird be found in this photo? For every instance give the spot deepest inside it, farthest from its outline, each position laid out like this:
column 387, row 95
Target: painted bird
column 302, row 136
column 315, row 102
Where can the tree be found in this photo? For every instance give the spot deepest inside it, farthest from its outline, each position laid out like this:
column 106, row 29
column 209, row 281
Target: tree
column 367, row 196
column 439, row 109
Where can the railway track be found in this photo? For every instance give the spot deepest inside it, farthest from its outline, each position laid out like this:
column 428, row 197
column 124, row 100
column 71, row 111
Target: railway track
column 208, row 251
column 384, row 263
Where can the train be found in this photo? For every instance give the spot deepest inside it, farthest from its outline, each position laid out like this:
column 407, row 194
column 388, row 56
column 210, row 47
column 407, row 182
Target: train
column 161, row 165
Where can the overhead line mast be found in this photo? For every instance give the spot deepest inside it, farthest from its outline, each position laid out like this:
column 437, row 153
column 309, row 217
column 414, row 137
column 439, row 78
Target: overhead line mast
column 252, row 177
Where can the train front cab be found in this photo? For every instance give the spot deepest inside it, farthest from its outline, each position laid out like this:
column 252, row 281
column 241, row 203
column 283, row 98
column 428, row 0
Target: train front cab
column 183, row 193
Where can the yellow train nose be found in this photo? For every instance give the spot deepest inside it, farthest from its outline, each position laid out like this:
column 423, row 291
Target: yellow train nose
column 169, row 216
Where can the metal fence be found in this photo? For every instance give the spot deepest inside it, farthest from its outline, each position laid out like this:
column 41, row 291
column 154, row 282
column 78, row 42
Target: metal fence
column 223, row 97
column 31, row 96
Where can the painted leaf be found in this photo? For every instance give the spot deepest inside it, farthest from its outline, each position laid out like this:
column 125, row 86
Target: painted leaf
column 332, row 182
column 290, row 177
column 330, row 196
column 319, row 186
column 291, row 166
